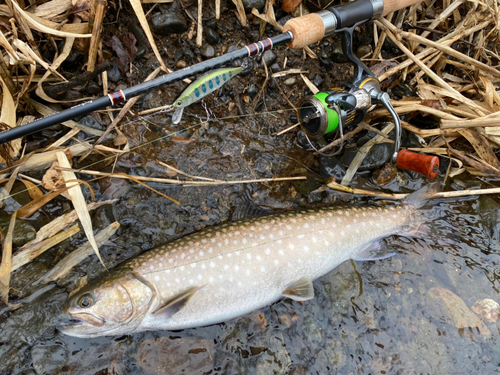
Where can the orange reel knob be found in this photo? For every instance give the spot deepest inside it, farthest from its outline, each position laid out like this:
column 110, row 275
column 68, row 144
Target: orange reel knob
column 426, row 165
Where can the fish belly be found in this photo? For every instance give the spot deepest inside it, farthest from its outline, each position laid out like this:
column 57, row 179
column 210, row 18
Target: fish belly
column 244, row 266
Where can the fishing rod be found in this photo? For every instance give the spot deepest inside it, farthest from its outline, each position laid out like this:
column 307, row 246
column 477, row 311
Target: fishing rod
column 297, row 33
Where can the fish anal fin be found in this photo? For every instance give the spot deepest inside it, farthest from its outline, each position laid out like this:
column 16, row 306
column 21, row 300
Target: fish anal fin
column 174, row 305
column 372, row 252
column 301, row 290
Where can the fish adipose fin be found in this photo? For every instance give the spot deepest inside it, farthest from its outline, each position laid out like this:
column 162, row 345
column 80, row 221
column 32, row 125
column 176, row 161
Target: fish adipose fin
column 372, row 252
column 175, row 304
column 301, row 290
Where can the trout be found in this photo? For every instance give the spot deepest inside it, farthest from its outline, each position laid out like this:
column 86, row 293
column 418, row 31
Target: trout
column 225, row 272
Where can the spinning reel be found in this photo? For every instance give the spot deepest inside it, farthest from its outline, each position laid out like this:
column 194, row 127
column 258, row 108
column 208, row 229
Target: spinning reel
column 332, row 111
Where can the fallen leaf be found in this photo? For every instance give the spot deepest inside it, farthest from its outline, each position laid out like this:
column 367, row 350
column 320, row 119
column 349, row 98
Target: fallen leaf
column 5, row 267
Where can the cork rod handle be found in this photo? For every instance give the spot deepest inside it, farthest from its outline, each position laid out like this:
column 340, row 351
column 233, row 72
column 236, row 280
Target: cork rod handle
column 311, row 28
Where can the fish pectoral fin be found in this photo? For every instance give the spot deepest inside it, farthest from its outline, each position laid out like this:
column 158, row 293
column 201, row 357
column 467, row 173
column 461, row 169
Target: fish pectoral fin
column 177, row 116
column 301, row 290
column 372, row 252
column 175, row 304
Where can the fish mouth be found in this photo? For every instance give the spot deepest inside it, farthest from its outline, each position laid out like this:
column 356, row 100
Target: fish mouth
column 81, row 319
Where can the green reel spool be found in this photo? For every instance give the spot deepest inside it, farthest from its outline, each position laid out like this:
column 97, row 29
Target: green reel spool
column 316, row 118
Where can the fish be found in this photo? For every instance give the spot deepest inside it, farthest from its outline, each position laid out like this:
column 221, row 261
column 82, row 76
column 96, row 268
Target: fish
column 206, row 84
column 225, row 272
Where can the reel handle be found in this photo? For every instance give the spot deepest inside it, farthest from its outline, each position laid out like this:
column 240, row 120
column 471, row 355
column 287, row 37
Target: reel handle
column 426, row 165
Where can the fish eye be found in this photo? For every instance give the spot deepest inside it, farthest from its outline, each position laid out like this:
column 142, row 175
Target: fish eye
column 85, row 301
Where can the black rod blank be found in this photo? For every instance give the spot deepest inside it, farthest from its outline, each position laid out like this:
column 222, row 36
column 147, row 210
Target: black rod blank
column 123, row 95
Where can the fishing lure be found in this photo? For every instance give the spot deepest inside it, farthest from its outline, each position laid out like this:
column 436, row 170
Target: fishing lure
column 206, row 84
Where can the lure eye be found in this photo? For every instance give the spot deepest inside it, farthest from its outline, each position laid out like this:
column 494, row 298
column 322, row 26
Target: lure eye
column 179, row 103
column 85, row 301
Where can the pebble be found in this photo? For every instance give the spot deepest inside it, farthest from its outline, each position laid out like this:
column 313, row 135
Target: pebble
column 23, row 231
column 181, row 64
column 338, row 56
column 269, row 57
column 207, row 51
column 403, row 90
column 275, row 67
column 250, row 4
column 252, row 90
column 489, row 210
column 114, row 74
column 91, row 122
column 212, row 36
column 487, row 309
column 385, row 175
column 48, row 359
column 318, row 80
column 363, row 51
column 290, row 81
column 169, row 23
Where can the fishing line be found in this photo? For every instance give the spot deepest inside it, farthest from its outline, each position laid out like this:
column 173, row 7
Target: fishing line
column 135, row 121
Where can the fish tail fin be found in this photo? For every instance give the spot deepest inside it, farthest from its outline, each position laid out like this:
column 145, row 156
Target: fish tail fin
column 419, row 198
column 176, row 117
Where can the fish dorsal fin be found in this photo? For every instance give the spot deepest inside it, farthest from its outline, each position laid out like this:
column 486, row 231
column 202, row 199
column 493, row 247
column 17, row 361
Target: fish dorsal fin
column 372, row 252
column 177, row 116
column 176, row 303
column 301, row 290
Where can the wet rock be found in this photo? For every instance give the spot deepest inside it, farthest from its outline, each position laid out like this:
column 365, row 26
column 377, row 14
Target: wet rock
column 363, row 51
column 169, row 23
column 252, row 90
column 336, row 353
column 114, row 74
column 91, row 122
column 207, row 51
column 459, row 184
column 156, row 355
column 305, row 187
column 318, row 80
column 269, row 57
column 290, row 81
column 330, row 166
column 401, row 179
column 385, row 175
column 113, row 188
column 376, row 157
column 181, row 64
column 487, row 309
column 93, row 88
column 48, row 359
column 489, row 210
column 338, row 56
column 275, row 67
column 257, row 4
column 341, row 285
column 23, row 230
column 212, row 36
column 446, row 307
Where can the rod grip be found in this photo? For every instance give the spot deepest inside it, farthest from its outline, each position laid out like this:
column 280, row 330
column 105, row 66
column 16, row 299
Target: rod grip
column 426, row 165
column 393, row 5
column 306, row 30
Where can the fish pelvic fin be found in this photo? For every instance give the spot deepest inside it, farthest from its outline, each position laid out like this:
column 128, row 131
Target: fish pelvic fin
column 177, row 116
column 300, row 290
column 419, row 198
column 372, row 252
column 174, row 305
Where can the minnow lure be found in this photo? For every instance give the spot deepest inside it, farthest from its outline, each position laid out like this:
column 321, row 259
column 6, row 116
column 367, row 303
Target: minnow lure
column 206, row 84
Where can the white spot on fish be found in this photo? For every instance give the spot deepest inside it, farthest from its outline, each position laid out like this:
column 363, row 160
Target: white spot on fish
column 306, row 225
column 262, row 269
column 259, row 257
column 226, row 267
column 211, row 279
column 281, row 233
column 236, row 268
column 191, row 281
column 235, row 242
column 314, row 239
column 177, row 280
column 220, row 256
column 252, row 228
column 229, row 255
column 151, row 267
column 211, row 250
column 280, row 242
column 306, row 249
column 268, row 251
column 244, row 241
column 171, row 260
column 212, row 264
column 201, row 253
column 157, row 278
column 262, row 237
column 281, row 252
column 327, row 243
column 203, row 266
column 240, row 283
column 300, row 236
column 289, row 227
column 291, row 246
column 194, row 265
column 200, row 276
column 249, row 256
column 183, row 255
column 276, row 262
column 247, row 272
column 226, row 241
